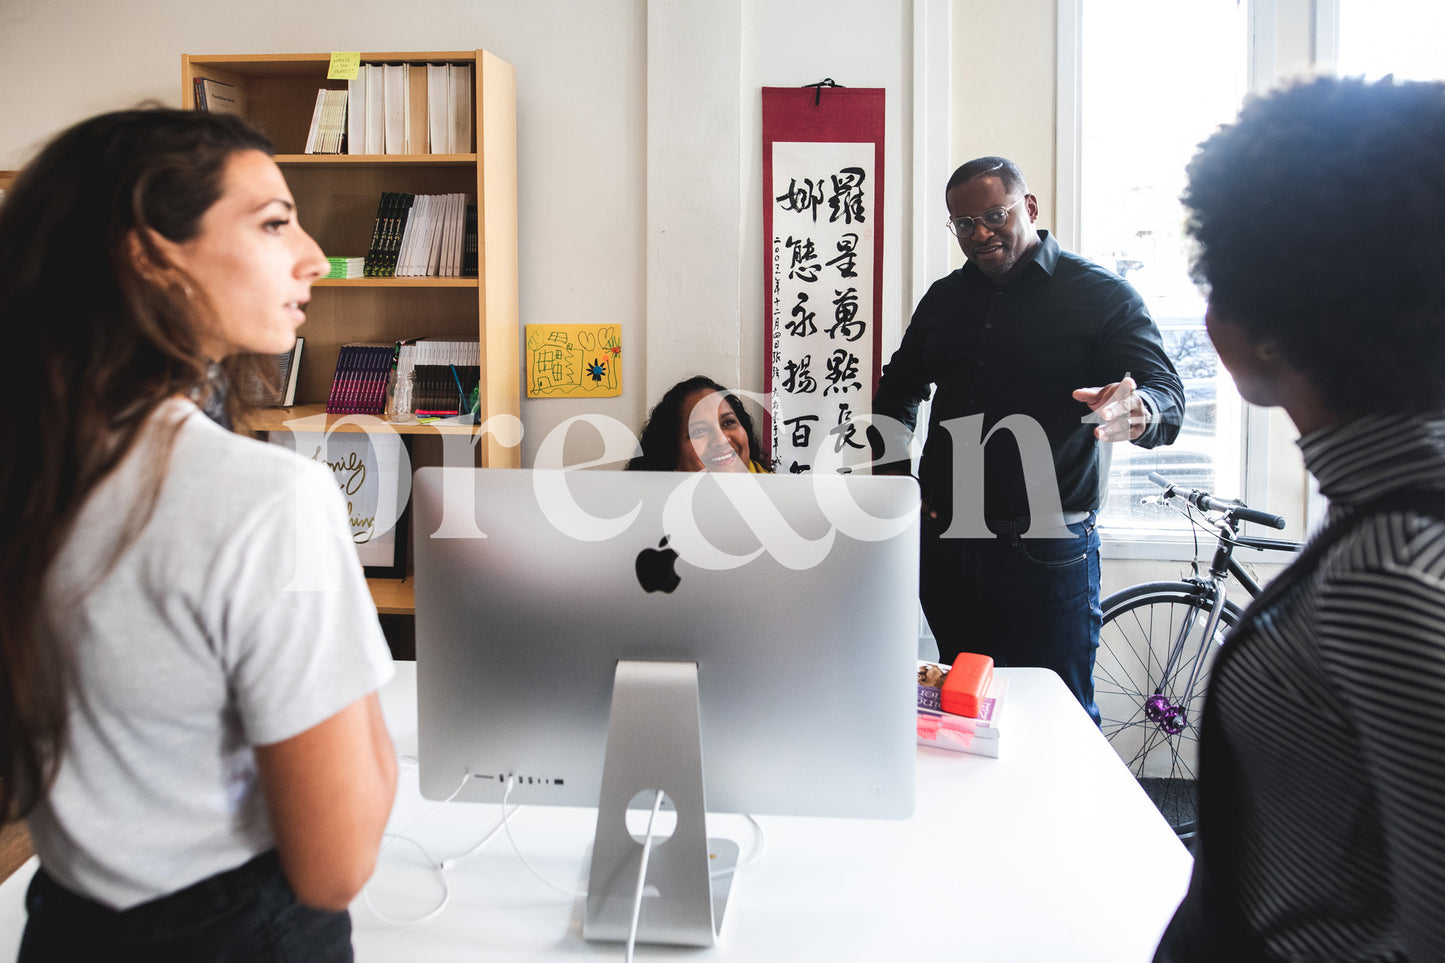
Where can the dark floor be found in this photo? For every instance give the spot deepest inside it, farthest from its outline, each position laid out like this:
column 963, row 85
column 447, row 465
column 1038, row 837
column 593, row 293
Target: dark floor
column 1178, row 801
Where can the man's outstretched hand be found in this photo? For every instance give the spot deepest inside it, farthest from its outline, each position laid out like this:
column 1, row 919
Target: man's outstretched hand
column 1117, row 408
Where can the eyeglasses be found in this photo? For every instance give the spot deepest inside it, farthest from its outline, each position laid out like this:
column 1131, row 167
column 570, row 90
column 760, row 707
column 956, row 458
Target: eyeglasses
column 993, row 219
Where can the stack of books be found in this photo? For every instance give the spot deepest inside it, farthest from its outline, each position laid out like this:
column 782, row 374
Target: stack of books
column 977, row 734
column 328, row 123
column 442, row 375
column 274, row 385
column 346, row 267
column 410, row 109
column 435, row 237
column 359, row 384
column 391, row 217
column 423, row 235
column 218, row 97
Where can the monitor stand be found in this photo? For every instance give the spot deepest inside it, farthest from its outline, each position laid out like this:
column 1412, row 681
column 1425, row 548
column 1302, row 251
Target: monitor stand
column 654, row 741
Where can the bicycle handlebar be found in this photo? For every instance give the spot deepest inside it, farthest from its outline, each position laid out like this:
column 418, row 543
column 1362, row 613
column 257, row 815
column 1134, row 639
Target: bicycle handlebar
column 1209, row 503
column 1266, row 544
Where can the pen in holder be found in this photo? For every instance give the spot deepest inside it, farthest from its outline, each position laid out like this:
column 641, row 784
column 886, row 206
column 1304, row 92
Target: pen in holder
column 467, row 404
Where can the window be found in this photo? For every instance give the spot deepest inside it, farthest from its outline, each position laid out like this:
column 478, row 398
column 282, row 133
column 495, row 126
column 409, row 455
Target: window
column 1378, row 37
column 1154, row 80
column 1372, row 38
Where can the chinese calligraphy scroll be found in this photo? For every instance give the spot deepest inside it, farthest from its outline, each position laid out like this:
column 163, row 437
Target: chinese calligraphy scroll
column 823, row 277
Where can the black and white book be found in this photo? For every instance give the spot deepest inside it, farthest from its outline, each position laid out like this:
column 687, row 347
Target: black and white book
column 274, row 385
column 218, row 97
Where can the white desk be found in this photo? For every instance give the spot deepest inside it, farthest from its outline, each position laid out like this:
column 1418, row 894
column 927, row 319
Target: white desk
column 1051, row 852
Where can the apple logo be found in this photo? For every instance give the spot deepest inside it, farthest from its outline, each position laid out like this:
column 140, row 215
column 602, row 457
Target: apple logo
column 655, row 571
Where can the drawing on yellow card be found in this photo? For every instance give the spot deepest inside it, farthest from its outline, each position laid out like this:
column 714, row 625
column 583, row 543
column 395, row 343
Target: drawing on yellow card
column 574, row 360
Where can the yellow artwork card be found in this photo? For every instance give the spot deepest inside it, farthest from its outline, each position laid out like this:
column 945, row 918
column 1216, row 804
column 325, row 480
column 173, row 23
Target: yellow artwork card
column 574, row 360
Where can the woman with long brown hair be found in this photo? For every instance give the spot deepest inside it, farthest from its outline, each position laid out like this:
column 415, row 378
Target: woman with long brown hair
column 188, row 653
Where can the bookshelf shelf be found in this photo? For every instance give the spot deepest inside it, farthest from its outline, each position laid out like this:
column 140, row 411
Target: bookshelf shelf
column 316, row 64
column 337, row 196
column 383, row 160
column 412, row 282
column 275, row 419
column 393, row 596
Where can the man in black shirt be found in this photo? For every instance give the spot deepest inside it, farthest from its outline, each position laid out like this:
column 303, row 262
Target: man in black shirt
column 1013, row 341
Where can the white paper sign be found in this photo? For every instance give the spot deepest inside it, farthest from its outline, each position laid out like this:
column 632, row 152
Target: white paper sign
column 823, row 321
column 367, row 469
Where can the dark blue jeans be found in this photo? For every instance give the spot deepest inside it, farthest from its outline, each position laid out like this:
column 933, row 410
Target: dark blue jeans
column 1023, row 601
column 245, row 914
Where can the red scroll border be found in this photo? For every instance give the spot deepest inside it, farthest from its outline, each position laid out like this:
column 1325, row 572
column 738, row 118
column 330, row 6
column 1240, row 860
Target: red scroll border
column 852, row 115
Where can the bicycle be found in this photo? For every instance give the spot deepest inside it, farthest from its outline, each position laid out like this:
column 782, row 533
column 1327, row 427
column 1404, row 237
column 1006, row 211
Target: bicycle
column 1157, row 645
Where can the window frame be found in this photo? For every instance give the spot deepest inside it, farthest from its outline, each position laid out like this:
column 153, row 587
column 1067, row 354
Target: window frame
column 1255, row 430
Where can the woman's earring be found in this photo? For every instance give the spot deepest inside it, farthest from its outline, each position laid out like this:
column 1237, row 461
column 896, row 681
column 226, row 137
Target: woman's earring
column 1267, row 351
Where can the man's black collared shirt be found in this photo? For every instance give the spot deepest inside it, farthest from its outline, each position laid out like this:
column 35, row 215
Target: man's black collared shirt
column 1022, row 349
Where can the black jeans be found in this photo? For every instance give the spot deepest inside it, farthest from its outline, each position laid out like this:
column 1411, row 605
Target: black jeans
column 1024, row 601
column 248, row 913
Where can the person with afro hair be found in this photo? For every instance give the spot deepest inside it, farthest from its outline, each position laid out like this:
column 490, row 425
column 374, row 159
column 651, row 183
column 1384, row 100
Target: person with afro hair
column 1319, row 219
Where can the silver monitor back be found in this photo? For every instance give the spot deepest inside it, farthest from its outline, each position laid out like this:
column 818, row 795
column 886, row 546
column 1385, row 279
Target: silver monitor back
column 795, row 596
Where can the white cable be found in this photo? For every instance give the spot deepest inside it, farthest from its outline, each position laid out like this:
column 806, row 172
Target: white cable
column 426, row 917
column 449, row 863
column 759, row 844
column 388, row 838
column 466, row 776
column 506, row 824
column 437, row 867
column 642, row 878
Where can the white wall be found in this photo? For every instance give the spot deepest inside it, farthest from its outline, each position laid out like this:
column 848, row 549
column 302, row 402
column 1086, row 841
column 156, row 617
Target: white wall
column 857, row 43
column 638, row 125
column 581, row 116
column 1003, row 95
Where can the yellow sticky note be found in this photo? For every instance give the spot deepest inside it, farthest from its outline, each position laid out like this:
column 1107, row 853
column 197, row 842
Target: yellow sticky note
column 344, row 65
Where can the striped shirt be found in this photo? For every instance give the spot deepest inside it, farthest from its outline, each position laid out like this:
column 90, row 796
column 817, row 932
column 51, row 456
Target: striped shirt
column 1322, row 827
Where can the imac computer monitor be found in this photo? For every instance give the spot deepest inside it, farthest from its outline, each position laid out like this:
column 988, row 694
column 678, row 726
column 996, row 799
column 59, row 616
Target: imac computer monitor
column 745, row 643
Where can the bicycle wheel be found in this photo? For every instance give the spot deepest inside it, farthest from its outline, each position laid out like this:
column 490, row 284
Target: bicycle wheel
column 1150, row 676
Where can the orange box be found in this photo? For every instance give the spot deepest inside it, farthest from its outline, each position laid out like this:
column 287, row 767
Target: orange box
column 967, row 681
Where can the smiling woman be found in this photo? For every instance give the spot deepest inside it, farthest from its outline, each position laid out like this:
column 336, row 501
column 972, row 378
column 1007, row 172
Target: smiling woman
column 699, row 425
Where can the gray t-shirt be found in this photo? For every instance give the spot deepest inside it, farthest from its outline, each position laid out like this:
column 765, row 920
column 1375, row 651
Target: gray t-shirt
column 238, row 616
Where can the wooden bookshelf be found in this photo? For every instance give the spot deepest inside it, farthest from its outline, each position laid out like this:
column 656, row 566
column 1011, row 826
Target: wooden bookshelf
column 337, row 197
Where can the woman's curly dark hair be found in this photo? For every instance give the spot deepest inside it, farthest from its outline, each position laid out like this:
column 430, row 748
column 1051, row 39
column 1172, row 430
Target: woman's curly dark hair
column 1319, row 219
column 660, row 436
